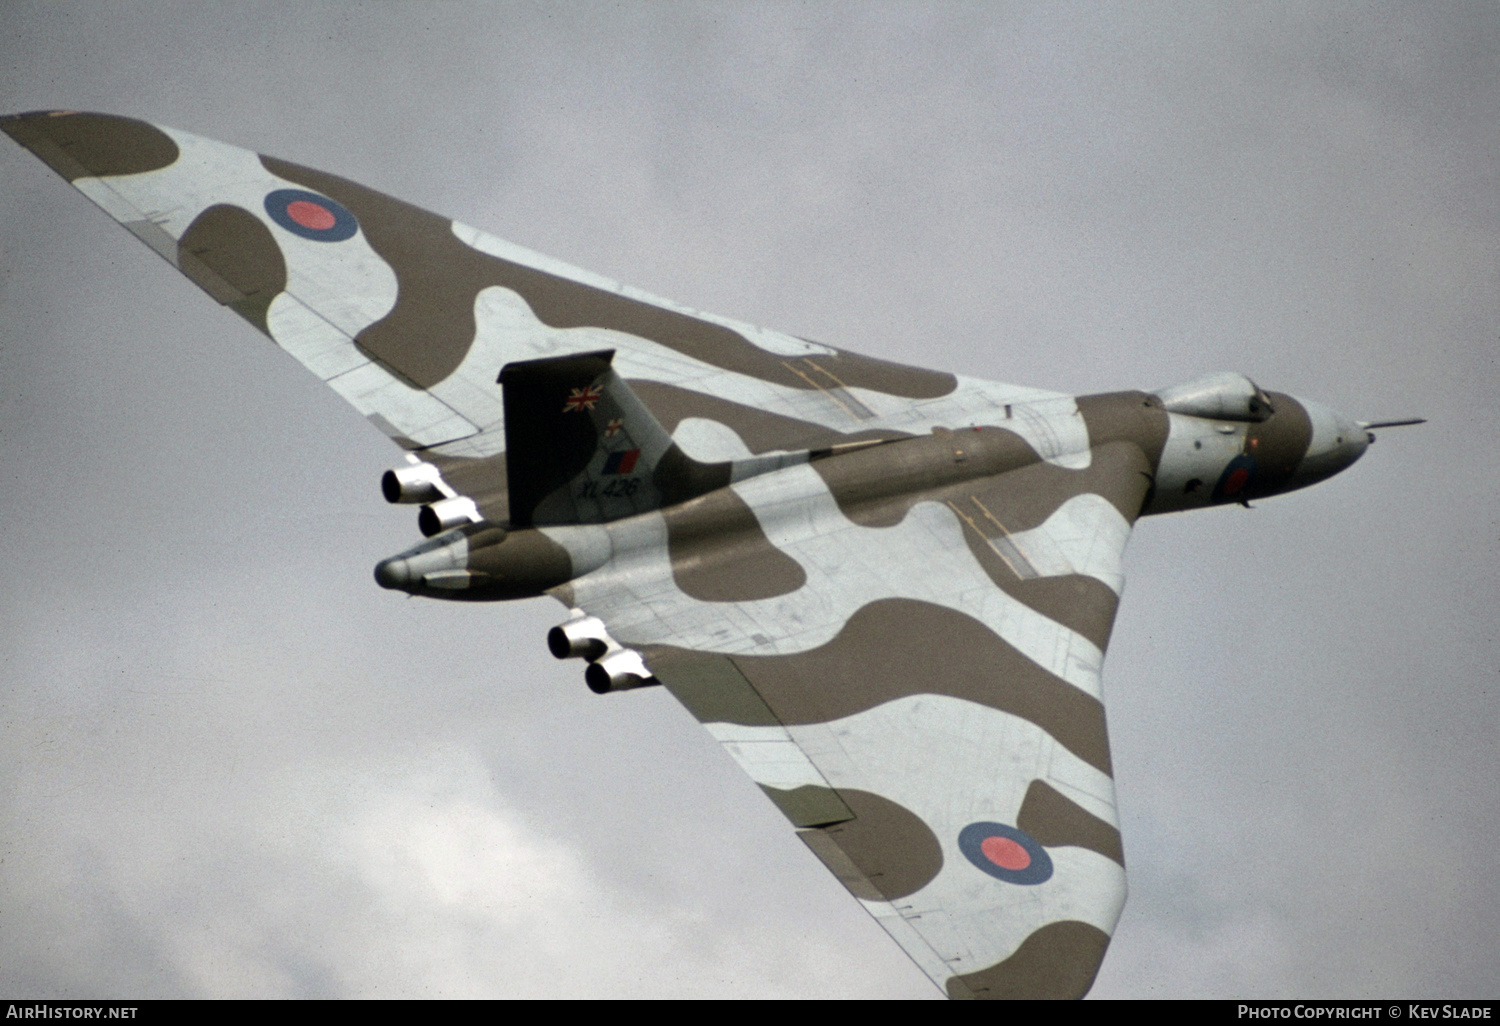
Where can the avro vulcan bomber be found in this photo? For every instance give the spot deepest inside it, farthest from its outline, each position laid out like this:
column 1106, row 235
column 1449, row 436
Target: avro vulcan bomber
column 886, row 591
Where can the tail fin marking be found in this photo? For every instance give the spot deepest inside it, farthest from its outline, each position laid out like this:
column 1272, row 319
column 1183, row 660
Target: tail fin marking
column 581, row 447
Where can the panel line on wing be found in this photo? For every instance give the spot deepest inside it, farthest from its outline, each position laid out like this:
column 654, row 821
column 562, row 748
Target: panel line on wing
column 839, row 393
column 1000, row 544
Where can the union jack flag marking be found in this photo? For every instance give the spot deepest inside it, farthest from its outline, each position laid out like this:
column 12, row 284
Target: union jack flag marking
column 581, row 399
column 613, row 428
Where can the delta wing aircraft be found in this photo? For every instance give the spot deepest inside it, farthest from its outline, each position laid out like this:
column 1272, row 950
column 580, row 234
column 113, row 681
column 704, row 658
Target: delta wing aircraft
column 886, row 591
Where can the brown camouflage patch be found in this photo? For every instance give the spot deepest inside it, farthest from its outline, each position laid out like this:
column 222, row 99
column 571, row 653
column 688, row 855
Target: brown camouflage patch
column 897, row 647
column 432, row 326
column 1278, row 444
column 720, row 554
column 1118, row 471
column 836, row 373
column 1136, row 417
column 876, row 487
column 523, row 565
column 710, row 686
column 1056, row 821
column 1058, row 961
column 893, row 851
column 809, row 805
column 1084, row 605
column 229, row 253
column 483, row 480
column 760, row 431
column 679, row 477
column 92, row 145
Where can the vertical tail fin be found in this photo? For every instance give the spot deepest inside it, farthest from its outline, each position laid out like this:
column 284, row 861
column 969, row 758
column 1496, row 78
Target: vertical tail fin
column 581, row 448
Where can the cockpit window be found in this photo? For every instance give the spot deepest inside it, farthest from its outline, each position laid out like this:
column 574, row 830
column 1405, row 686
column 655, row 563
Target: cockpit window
column 1224, row 396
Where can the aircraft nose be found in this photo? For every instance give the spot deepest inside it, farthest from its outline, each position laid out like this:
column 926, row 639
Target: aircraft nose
column 1336, row 443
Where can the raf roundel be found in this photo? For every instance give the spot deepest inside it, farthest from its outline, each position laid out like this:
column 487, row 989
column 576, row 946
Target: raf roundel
column 311, row 216
column 1236, row 478
column 1005, row 853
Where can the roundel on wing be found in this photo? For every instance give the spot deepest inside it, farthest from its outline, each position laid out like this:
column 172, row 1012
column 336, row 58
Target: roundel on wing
column 311, row 216
column 1005, row 853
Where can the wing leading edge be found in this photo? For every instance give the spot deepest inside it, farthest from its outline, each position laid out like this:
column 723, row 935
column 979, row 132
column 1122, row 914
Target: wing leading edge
column 409, row 316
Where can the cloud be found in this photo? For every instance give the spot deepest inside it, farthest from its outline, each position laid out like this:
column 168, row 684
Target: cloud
column 404, row 879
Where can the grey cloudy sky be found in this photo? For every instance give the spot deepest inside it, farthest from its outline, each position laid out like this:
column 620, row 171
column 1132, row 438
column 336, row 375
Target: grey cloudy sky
column 232, row 765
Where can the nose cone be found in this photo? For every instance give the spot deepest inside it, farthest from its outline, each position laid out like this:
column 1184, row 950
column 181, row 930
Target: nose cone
column 1337, row 441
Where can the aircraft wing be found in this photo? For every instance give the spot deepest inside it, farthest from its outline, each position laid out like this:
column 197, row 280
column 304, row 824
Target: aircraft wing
column 917, row 686
column 410, row 316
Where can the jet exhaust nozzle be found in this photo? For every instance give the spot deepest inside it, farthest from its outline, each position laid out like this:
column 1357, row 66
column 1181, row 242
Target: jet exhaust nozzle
column 620, row 670
column 421, row 482
column 584, row 638
column 446, row 514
